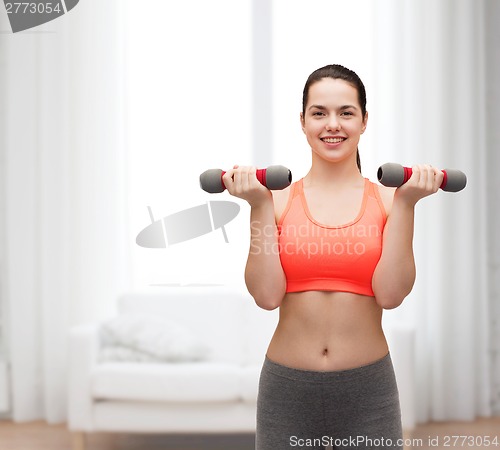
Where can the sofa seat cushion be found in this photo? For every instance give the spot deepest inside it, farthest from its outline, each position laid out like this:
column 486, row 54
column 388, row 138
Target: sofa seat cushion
column 250, row 376
column 178, row 382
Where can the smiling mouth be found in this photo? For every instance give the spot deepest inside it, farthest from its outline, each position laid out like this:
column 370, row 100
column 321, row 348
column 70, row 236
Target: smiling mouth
column 333, row 140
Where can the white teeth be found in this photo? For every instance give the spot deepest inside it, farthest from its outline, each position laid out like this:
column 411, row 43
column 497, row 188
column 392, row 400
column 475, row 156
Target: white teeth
column 333, row 140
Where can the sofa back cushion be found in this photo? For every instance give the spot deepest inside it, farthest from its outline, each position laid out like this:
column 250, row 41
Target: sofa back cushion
column 215, row 315
column 258, row 329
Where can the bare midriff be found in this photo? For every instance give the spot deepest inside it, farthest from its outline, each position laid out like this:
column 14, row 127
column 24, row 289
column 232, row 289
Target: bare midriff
column 326, row 331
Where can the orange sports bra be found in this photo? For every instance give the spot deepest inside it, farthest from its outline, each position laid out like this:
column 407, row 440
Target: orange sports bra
column 317, row 257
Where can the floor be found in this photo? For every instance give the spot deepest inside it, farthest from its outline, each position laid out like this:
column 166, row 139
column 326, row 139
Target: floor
column 465, row 435
column 40, row 436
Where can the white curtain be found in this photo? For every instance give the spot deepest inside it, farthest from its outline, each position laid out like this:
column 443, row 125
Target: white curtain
column 64, row 171
column 429, row 107
column 492, row 14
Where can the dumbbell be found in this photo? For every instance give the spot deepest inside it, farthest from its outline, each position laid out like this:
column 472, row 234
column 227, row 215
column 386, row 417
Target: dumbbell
column 274, row 178
column 395, row 175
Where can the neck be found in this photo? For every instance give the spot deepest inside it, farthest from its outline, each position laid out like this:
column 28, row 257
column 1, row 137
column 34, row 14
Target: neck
column 333, row 174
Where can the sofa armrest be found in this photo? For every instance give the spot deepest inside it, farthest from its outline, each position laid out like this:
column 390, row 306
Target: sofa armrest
column 83, row 353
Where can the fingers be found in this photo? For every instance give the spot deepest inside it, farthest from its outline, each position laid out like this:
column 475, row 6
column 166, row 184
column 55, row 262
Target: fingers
column 240, row 180
column 427, row 178
column 424, row 181
column 438, row 178
column 244, row 179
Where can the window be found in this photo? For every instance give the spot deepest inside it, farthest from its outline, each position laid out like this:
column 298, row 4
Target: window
column 306, row 36
column 189, row 109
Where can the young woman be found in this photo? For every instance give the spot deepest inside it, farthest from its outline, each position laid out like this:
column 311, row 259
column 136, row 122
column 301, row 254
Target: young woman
column 331, row 251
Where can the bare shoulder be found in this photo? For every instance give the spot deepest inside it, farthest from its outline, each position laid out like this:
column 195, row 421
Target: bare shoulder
column 387, row 196
column 280, row 199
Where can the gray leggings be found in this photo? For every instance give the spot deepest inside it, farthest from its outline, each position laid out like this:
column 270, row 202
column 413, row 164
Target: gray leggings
column 347, row 409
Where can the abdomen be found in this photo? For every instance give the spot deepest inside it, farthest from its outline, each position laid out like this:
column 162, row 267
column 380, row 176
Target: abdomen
column 321, row 330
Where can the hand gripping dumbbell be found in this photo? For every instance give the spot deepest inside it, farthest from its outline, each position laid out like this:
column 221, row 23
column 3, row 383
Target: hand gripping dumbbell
column 274, row 178
column 395, row 175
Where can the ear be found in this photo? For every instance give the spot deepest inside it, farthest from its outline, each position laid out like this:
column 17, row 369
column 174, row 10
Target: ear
column 302, row 122
column 365, row 122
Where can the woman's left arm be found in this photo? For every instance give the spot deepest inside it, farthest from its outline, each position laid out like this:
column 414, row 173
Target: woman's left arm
column 395, row 273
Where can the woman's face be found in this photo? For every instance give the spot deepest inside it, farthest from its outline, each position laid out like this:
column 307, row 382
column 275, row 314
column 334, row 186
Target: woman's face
column 333, row 121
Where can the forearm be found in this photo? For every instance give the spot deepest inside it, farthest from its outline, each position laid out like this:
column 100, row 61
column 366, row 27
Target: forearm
column 395, row 273
column 264, row 275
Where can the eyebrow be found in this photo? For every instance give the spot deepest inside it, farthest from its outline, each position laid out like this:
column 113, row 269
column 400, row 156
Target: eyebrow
column 343, row 107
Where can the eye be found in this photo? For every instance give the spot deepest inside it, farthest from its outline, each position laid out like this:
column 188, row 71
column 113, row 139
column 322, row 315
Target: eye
column 318, row 113
column 346, row 113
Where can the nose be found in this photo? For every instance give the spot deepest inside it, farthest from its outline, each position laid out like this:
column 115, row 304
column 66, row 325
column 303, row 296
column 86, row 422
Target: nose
column 333, row 123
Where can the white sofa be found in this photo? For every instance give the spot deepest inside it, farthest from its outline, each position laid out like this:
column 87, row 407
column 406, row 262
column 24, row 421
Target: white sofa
column 215, row 395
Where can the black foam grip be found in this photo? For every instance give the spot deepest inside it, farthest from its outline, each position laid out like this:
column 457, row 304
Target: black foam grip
column 277, row 177
column 391, row 174
column 211, row 181
column 456, row 180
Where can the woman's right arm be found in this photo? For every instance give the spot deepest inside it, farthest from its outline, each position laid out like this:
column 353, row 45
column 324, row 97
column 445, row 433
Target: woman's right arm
column 264, row 276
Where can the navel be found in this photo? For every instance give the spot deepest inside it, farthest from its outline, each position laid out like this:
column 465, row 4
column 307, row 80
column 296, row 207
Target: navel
column 325, row 351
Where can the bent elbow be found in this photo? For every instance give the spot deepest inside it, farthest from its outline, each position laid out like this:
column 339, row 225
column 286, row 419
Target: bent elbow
column 269, row 299
column 390, row 296
column 269, row 295
column 268, row 302
column 389, row 302
column 269, row 306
